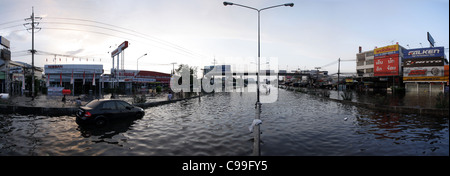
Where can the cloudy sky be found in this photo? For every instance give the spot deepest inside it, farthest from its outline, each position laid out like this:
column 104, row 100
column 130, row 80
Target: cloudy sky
column 311, row 34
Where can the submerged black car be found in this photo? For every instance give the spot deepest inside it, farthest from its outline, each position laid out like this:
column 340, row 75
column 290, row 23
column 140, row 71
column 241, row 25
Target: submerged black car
column 100, row 112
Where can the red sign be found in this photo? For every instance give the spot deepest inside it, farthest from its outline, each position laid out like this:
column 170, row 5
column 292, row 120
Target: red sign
column 386, row 65
column 55, row 66
column 417, row 72
column 120, row 48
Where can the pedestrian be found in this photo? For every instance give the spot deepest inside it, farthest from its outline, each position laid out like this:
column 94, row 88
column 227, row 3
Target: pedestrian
column 78, row 102
column 169, row 96
column 64, row 99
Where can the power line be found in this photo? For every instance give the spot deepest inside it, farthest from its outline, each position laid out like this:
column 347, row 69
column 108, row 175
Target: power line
column 170, row 46
column 133, row 32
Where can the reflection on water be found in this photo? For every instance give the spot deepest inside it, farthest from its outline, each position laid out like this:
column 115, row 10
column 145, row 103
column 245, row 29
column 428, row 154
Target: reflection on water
column 217, row 124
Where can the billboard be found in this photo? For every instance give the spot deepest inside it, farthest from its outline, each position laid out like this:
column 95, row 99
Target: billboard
column 423, row 62
column 4, row 42
column 423, row 71
column 426, row 79
column 423, row 53
column 387, row 50
column 430, row 39
column 386, row 65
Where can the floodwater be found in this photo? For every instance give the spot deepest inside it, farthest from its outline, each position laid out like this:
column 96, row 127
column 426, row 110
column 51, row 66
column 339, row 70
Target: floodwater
column 217, row 124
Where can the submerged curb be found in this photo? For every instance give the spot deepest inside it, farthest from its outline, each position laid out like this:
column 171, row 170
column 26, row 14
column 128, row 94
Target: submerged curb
column 397, row 109
column 53, row 111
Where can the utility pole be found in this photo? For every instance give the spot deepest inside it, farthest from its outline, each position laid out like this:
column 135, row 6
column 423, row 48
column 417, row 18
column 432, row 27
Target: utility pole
column 339, row 72
column 33, row 26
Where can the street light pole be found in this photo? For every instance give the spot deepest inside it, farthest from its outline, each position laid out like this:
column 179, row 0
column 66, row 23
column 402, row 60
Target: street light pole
column 137, row 62
column 259, row 39
column 257, row 121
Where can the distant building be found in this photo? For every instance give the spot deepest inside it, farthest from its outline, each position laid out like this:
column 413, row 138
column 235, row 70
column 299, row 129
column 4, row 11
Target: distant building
column 420, row 69
column 60, row 75
column 380, row 68
column 16, row 73
column 139, row 80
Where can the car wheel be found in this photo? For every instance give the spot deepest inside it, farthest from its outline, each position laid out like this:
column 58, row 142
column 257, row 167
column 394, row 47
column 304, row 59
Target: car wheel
column 100, row 122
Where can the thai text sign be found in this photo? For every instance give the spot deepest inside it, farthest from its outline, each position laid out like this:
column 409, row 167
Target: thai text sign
column 386, row 65
column 387, row 50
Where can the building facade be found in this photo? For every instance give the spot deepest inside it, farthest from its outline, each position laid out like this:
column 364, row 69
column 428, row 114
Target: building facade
column 136, row 80
column 79, row 78
column 425, row 70
column 393, row 66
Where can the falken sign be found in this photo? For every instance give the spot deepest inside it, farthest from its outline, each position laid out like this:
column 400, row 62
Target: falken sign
column 423, row 53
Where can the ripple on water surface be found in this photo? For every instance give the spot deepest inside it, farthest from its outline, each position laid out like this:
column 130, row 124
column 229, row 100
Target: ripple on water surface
column 297, row 124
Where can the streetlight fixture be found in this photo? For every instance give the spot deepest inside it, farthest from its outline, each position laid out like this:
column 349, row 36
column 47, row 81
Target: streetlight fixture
column 259, row 36
column 137, row 62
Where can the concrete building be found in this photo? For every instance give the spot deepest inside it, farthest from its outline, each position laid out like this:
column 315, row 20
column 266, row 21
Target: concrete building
column 364, row 63
column 425, row 70
column 380, row 68
column 85, row 77
column 14, row 74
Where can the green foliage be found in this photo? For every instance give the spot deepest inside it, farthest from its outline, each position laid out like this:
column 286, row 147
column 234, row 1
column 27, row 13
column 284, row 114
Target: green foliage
column 139, row 99
column 158, row 89
column 442, row 101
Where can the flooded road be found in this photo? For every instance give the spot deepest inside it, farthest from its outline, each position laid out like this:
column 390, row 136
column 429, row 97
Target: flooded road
column 217, row 124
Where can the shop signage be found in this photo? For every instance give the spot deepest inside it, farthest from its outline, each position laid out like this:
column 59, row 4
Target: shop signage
column 119, row 49
column 423, row 62
column 386, row 65
column 426, row 79
column 54, row 66
column 387, row 50
column 423, row 71
column 424, row 53
column 4, row 42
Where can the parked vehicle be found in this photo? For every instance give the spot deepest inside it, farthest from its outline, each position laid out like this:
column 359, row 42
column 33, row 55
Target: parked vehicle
column 100, row 112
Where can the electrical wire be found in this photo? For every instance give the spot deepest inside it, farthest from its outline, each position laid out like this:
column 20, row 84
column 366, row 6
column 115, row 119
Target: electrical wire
column 130, row 32
column 158, row 42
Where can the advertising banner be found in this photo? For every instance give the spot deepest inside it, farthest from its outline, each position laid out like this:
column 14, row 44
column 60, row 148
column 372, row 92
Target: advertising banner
column 446, row 70
column 423, row 71
column 387, row 50
column 423, row 53
column 423, row 62
column 426, row 79
column 386, row 65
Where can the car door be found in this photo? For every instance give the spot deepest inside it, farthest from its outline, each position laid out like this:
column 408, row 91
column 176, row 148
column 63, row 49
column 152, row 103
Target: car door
column 124, row 109
column 109, row 109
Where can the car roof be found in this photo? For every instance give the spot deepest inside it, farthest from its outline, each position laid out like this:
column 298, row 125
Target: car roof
column 106, row 100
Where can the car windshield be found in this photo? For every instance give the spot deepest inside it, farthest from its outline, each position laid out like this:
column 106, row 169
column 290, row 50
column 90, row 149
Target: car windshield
column 93, row 104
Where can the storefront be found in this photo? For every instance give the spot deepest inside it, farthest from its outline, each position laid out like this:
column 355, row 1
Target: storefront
column 80, row 79
column 388, row 67
column 425, row 70
column 137, row 80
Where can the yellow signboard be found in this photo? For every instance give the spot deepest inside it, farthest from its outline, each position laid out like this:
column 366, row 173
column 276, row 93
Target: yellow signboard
column 385, row 49
column 426, row 79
